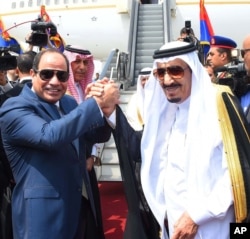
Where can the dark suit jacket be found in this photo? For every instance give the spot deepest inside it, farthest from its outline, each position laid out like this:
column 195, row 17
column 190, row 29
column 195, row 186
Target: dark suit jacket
column 16, row 90
column 47, row 157
column 6, row 177
column 6, row 171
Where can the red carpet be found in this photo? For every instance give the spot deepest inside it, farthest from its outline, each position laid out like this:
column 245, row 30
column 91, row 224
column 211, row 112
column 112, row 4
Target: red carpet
column 114, row 209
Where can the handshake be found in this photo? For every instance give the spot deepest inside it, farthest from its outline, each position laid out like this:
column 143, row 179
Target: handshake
column 106, row 93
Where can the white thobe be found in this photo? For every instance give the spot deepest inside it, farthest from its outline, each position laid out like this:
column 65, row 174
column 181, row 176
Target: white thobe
column 80, row 92
column 177, row 194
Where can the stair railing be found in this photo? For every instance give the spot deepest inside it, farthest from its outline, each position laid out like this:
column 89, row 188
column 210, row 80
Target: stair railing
column 167, row 20
column 132, row 40
column 122, row 70
column 107, row 65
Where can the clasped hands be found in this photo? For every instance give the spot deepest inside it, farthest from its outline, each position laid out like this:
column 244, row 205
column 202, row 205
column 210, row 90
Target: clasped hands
column 106, row 93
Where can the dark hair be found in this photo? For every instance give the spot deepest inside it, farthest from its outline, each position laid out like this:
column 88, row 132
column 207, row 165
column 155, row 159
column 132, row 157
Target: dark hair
column 184, row 31
column 39, row 55
column 227, row 51
column 32, row 53
column 25, row 62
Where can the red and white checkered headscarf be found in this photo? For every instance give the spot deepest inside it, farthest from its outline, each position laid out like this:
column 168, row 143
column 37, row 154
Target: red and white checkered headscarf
column 88, row 75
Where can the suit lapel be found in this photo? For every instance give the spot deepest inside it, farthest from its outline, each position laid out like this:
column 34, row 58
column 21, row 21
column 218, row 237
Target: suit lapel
column 51, row 109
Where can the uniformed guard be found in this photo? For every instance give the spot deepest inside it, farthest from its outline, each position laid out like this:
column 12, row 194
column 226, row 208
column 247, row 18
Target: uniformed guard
column 220, row 55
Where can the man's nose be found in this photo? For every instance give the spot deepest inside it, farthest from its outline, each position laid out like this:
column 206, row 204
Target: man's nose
column 167, row 78
column 54, row 80
column 82, row 64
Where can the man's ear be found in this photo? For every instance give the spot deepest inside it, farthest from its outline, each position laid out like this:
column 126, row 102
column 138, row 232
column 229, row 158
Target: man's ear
column 32, row 73
column 224, row 55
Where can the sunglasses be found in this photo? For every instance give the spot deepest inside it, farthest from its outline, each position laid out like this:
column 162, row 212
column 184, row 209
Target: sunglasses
column 47, row 74
column 175, row 72
column 244, row 51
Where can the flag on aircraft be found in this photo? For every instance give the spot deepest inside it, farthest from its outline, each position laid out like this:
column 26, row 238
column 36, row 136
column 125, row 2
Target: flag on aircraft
column 7, row 41
column 56, row 40
column 44, row 14
column 4, row 34
column 206, row 29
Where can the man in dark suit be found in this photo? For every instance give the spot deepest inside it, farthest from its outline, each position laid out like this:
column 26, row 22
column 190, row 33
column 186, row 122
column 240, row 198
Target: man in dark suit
column 24, row 65
column 45, row 148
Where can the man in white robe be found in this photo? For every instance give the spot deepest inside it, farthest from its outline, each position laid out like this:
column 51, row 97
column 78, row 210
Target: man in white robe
column 186, row 161
column 135, row 106
column 184, row 173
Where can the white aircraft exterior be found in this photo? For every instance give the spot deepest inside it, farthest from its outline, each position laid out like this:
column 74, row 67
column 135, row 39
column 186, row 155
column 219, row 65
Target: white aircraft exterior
column 102, row 25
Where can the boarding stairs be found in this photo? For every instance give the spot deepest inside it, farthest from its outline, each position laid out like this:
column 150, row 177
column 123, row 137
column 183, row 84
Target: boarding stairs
column 147, row 36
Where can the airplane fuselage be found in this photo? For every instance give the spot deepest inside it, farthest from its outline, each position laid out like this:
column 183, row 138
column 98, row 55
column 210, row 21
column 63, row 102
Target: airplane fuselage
column 102, row 25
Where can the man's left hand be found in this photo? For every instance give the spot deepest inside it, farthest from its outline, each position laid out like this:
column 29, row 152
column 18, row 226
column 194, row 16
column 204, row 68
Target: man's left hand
column 185, row 227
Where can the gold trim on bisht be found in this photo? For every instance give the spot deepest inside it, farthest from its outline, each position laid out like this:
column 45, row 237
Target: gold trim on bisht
column 232, row 155
column 139, row 116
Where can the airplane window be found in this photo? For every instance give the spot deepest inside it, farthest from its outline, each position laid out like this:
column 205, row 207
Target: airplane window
column 21, row 5
column 30, row 3
column 39, row 2
column 56, row 2
column 66, row 1
column 47, row 2
column 75, row 1
column 13, row 5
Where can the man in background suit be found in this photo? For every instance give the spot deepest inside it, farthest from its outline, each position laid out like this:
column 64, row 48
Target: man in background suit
column 245, row 98
column 45, row 148
column 23, row 66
